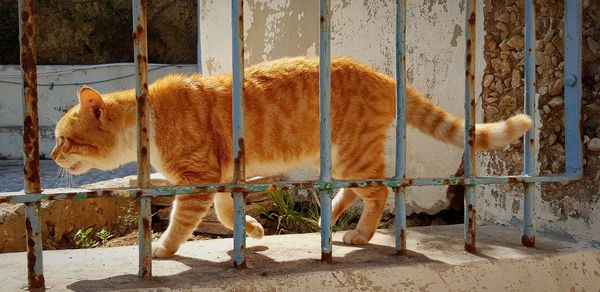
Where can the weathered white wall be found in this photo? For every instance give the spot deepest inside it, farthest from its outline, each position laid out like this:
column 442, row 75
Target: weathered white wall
column 366, row 32
column 363, row 30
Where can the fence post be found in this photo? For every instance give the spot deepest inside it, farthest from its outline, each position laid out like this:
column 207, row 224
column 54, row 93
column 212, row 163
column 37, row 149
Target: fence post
column 572, row 77
column 400, row 192
column 239, row 171
column 529, row 148
column 325, row 125
column 31, row 147
column 140, row 44
column 469, row 154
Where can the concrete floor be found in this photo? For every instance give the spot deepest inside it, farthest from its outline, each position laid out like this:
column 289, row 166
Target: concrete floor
column 436, row 262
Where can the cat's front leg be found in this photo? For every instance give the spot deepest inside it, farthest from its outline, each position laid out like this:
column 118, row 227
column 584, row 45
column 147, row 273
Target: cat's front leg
column 186, row 214
column 224, row 210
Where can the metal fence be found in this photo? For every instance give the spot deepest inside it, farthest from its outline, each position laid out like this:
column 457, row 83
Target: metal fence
column 33, row 195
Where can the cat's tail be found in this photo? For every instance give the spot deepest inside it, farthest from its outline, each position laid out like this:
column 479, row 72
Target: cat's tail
column 434, row 121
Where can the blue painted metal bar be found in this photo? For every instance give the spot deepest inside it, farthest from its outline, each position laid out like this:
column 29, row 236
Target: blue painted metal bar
column 325, row 124
column 31, row 147
column 239, row 171
column 140, row 47
column 400, row 193
column 158, row 191
column 199, row 36
column 469, row 154
column 572, row 71
column 529, row 145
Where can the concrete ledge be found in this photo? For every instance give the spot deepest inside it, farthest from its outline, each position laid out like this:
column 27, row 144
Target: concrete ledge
column 436, row 262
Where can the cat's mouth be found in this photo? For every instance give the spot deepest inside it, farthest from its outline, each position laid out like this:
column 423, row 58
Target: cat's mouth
column 75, row 167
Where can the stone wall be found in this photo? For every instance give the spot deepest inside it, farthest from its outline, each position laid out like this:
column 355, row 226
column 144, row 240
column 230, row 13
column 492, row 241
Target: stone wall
column 563, row 207
column 95, row 32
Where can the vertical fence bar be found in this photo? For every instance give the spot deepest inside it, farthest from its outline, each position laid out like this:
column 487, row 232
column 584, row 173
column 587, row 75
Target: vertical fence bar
column 140, row 46
column 572, row 71
column 35, row 263
column 469, row 154
column 31, row 147
column 529, row 153
column 239, row 171
column 199, row 36
column 325, row 125
column 400, row 193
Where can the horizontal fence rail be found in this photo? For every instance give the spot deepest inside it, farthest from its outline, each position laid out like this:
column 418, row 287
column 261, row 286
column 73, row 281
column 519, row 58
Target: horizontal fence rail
column 33, row 195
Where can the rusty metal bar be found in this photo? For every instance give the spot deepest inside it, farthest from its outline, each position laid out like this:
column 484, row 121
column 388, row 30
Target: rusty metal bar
column 140, row 47
column 35, row 261
column 31, row 147
column 400, row 193
column 239, row 165
column 529, row 145
column 158, row 191
column 469, row 154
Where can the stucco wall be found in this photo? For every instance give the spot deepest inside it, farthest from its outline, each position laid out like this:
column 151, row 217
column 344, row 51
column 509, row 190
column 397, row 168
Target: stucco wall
column 363, row 30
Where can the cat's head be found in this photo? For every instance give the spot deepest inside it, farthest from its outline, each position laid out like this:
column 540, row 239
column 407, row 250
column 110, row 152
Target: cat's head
column 86, row 136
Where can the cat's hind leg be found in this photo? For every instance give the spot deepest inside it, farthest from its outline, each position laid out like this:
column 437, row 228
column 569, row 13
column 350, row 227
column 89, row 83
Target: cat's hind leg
column 374, row 200
column 224, row 210
column 342, row 201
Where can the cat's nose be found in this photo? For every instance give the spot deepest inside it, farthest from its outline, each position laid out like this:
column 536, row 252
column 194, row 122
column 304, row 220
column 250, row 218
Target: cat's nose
column 54, row 154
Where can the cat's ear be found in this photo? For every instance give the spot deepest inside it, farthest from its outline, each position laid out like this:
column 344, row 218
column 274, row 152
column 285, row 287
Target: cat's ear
column 90, row 101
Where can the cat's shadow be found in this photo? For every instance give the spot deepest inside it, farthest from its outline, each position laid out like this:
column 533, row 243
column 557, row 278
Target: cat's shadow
column 212, row 274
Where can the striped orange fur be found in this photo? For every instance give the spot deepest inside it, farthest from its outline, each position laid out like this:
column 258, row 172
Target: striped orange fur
column 191, row 134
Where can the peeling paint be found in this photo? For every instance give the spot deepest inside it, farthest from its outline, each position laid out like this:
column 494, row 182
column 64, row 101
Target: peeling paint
column 457, row 32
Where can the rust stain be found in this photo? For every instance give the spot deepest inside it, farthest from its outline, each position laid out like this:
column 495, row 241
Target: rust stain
column 407, row 183
column 35, row 281
column 30, row 112
column 241, row 266
column 402, row 251
column 513, row 180
column 528, row 241
column 472, row 223
column 139, row 194
column 326, row 257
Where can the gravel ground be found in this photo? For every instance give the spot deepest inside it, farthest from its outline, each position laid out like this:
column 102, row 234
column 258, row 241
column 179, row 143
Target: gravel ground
column 11, row 175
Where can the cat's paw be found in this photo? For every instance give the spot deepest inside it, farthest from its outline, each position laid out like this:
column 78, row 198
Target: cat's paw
column 159, row 251
column 257, row 231
column 353, row 237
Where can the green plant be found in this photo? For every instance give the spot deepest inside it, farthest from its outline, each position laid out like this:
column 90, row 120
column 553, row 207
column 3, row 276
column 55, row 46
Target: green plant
column 286, row 217
column 84, row 238
column 104, row 235
column 346, row 221
column 129, row 220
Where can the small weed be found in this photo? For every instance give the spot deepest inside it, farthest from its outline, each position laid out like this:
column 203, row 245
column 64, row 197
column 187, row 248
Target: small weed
column 86, row 238
column 286, row 216
column 104, row 235
column 129, row 221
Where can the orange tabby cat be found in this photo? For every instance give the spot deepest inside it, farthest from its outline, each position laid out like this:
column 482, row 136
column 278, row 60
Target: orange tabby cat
column 191, row 134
